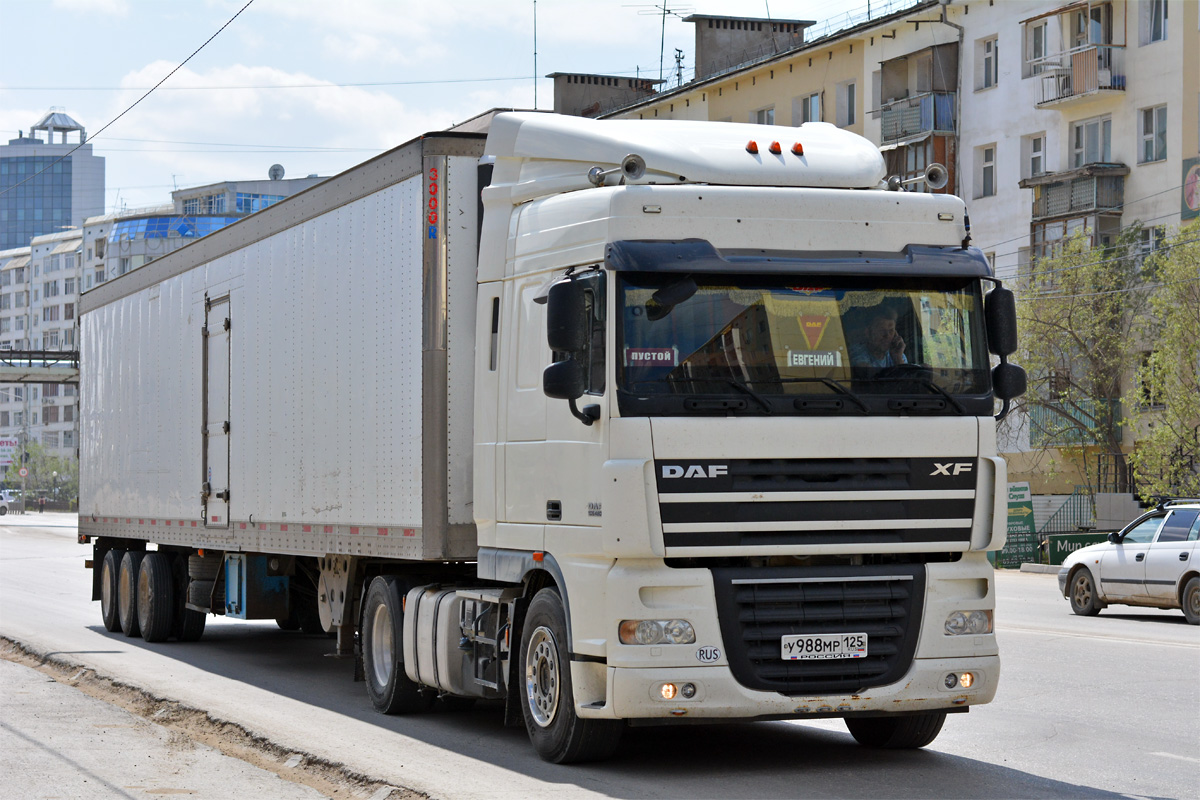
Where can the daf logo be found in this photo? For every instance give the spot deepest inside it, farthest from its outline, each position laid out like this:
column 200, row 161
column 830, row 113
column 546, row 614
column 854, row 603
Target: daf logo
column 694, row 471
column 959, row 468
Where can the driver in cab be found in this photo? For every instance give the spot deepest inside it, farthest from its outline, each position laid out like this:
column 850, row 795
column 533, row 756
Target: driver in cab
column 879, row 344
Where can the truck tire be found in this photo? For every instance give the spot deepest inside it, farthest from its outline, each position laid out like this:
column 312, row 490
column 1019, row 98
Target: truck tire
column 1085, row 596
column 155, row 597
column 127, row 578
column 109, row 567
column 390, row 688
column 897, row 731
column 204, row 568
column 199, row 593
column 557, row 733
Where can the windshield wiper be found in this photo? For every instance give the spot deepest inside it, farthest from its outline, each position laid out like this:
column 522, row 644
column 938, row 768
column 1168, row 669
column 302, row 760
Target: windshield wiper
column 742, row 387
column 832, row 384
column 926, row 383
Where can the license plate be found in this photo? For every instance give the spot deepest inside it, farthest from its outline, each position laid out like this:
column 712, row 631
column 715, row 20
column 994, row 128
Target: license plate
column 828, row 645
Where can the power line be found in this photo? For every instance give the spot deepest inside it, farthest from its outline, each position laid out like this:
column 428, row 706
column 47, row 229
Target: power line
column 1109, row 260
column 1054, row 296
column 131, row 107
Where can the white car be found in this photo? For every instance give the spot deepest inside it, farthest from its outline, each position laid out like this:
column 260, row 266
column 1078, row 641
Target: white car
column 1154, row 561
column 6, row 500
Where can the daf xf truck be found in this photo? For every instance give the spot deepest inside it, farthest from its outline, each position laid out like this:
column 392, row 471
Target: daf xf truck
column 617, row 422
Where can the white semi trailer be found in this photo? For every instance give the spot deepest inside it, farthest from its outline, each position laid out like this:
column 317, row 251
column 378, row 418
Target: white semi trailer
column 617, row 421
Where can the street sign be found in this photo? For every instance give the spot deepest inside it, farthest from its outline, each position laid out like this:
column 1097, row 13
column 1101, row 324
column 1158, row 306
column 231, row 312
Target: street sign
column 1062, row 545
column 1021, row 546
column 23, row 472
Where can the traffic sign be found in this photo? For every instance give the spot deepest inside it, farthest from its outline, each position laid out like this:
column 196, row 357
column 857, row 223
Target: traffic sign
column 23, row 472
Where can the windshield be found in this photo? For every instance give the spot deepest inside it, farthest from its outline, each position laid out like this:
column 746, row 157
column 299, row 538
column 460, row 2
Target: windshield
column 781, row 344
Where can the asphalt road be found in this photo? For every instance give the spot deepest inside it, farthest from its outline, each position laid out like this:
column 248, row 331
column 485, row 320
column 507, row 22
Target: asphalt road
column 1107, row 706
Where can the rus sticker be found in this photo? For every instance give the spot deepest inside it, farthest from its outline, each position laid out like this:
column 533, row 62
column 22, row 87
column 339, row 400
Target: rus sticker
column 651, row 357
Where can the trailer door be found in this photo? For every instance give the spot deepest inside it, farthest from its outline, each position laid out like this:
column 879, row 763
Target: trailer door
column 215, row 428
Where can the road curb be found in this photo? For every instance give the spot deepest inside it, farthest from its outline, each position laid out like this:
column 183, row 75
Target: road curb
column 1046, row 569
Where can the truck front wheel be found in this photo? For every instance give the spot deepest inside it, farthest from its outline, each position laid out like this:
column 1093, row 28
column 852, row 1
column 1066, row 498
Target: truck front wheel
column 557, row 733
column 390, row 688
column 897, row 732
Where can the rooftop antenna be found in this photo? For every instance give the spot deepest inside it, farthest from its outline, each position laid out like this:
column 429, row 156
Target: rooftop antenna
column 663, row 10
column 535, row 72
column 678, row 67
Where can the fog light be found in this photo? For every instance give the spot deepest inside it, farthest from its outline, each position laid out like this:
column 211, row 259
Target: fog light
column 951, row 681
column 656, row 631
column 668, row 691
column 688, row 690
column 967, row 680
column 961, row 623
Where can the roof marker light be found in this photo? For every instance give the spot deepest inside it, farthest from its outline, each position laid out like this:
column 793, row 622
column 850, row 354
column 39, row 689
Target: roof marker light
column 752, row 147
column 798, row 149
column 775, row 148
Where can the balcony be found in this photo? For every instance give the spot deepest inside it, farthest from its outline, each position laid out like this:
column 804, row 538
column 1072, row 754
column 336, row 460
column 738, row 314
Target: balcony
column 1093, row 188
column 1080, row 73
column 922, row 113
column 1051, row 426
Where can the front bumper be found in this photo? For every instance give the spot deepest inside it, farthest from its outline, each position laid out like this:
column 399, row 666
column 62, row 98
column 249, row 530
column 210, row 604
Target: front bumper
column 1063, row 574
column 636, row 694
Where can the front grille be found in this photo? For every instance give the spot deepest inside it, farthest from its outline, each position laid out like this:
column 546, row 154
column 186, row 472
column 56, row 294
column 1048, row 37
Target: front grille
column 843, row 501
column 759, row 606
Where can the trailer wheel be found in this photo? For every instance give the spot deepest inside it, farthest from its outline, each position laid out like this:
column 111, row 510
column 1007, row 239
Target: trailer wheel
column 109, row 567
column 897, row 732
column 127, row 592
column 557, row 733
column 186, row 625
column 155, row 596
column 391, row 690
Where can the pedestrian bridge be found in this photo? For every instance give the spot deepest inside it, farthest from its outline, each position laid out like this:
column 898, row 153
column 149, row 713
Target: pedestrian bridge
column 39, row 366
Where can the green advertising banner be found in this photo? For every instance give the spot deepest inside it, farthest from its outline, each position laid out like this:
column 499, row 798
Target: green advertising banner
column 1061, row 545
column 1022, row 544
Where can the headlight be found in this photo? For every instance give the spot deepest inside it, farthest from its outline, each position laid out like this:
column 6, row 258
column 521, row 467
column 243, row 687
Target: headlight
column 963, row 623
column 656, row 631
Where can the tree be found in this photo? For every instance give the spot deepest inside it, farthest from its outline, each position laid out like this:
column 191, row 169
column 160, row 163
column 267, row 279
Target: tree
column 48, row 474
column 1166, row 459
column 1081, row 315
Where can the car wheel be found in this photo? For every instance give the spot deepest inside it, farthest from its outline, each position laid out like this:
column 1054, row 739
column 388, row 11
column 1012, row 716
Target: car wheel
column 3, row 510
column 1191, row 601
column 1085, row 598
column 897, row 731
column 558, row 734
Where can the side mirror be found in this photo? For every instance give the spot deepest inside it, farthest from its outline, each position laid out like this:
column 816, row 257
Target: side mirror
column 566, row 317
column 564, row 380
column 1114, row 537
column 1008, row 381
column 1000, row 317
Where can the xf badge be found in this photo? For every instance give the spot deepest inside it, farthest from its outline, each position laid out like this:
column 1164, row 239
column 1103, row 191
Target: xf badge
column 958, row 467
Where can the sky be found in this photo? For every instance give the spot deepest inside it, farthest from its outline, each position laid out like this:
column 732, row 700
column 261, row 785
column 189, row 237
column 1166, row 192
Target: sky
column 317, row 85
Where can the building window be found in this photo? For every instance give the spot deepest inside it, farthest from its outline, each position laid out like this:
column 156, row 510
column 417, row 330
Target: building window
column 68, row 286
column 1153, row 21
column 5, row 301
column 987, row 66
column 50, row 314
column 1091, row 142
column 764, row 116
column 49, row 414
column 1033, row 151
column 5, row 324
column 68, row 413
column 847, row 103
column 6, row 278
column 68, row 439
column 49, row 439
column 68, row 311
column 50, row 289
column 808, row 108
column 985, row 170
column 1035, row 49
column 1153, row 134
column 49, row 390
column 1152, row 238
column 99, row 277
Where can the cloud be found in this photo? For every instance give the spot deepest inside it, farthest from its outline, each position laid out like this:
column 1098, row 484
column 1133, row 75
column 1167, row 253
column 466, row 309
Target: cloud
column 115, row 8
